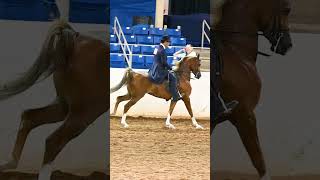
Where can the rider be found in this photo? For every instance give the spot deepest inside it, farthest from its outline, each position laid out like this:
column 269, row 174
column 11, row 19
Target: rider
column 221, row 109
column 161, row 70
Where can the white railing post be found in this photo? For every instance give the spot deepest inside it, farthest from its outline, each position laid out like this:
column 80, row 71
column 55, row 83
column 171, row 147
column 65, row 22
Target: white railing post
column 204, row 33
column 124, row 46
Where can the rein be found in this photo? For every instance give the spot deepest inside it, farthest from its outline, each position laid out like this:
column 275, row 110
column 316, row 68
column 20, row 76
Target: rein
column 180, row 72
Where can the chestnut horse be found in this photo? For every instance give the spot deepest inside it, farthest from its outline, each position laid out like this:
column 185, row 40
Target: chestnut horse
column 139, row 84
column 79, row 66
column 237, row 45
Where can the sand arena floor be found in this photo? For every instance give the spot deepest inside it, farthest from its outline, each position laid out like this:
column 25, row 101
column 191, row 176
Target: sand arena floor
column 148, row 150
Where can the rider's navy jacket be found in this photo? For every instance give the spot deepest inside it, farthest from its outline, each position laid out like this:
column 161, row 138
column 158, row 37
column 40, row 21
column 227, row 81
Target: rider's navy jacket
column 160, row 67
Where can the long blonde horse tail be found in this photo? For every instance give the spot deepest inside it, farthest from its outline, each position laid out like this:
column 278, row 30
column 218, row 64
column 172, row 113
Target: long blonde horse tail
column 123, row 81
column 53, row 52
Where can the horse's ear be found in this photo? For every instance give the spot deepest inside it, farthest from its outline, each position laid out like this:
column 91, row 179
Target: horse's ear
column 198, row 56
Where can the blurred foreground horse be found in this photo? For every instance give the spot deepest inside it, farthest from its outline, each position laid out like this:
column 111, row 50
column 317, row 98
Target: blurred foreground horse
column 236, row 39
column 79, row 65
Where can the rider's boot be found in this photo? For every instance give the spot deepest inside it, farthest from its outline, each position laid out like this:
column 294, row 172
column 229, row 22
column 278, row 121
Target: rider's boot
column 177, row 96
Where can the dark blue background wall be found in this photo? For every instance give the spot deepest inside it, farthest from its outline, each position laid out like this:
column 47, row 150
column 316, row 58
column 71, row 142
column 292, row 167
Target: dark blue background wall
column 126, row 9
column 191, row 26
column 81, row 11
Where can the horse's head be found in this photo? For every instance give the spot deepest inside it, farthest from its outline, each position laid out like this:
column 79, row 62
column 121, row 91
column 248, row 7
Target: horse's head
column 274, row 24
column 194, row 64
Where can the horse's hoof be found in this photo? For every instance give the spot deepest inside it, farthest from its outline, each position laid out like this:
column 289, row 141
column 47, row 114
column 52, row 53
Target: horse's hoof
column 45, row 172
column 266, row 177
column 170, row 126
column 125, row 125
column 8, row 165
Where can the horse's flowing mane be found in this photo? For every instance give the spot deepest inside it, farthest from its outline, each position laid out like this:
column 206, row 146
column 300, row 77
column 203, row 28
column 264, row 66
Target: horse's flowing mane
column 178, row 64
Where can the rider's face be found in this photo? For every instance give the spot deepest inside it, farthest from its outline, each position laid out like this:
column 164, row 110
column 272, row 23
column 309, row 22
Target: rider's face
column 166, row 43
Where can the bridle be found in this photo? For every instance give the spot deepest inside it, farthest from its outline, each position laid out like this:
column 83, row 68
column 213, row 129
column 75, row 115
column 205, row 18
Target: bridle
column 187, row 72
column 276, row 31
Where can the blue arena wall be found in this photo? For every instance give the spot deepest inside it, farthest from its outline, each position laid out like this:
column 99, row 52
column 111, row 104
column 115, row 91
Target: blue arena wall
column 81, row 11
column 126, row 9
column 191, row 26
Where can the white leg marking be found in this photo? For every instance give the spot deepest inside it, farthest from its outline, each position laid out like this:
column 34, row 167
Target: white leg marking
column 195, row 123
column 168, row 123
column 45, row 172
column 123, row 121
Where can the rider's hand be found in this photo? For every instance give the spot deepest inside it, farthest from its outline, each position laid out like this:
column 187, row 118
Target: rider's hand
column 174, row 68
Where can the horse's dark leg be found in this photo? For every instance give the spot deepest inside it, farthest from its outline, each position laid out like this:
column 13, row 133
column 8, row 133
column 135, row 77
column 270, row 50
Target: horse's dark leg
column 246, row 126
column 31, row 119
column 77, row 120
column 119, row 100
column 127, row 106
column 187, row 103
column 168, row 123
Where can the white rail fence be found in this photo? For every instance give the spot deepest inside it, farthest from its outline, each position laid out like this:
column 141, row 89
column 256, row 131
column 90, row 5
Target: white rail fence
column 127, row 53
column 204, row 34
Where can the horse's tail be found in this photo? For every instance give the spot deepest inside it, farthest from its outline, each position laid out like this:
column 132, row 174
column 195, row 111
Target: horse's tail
column 126, row 77
column 58, row 43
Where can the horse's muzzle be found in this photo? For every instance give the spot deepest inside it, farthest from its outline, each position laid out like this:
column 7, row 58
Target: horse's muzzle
column 283, row 44
column 198, row 75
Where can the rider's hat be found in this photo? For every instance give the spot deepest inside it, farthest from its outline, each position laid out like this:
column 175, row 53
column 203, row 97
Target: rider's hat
column 165, row 39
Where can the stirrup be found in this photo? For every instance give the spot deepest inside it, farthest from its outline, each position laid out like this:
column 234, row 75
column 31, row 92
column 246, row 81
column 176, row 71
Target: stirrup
column 229, row 108
column 223, row 103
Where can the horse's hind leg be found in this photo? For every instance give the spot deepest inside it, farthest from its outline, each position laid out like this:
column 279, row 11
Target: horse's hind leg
column 246, row 126
column 187, row 103
column 168, row 123
column 119, row 100
column 76, row 122
column 127, row 106
column 31, row 119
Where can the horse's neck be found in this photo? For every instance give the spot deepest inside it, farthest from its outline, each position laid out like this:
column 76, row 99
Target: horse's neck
column 238, row 16
column 183, row 71
column 237, row 30
column 245, row 48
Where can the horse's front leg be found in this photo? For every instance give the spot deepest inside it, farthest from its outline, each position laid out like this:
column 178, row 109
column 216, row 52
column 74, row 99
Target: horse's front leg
column 186, row 101
column 168, row 123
